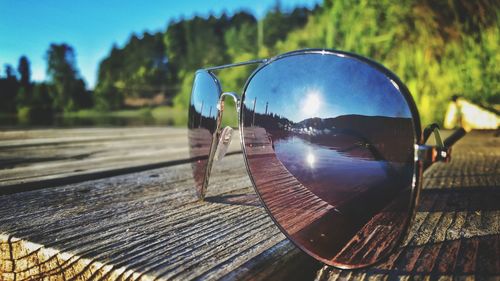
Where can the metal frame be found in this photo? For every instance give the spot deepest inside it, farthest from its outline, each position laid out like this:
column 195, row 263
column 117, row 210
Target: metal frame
column 215, row 135
column 422, row 154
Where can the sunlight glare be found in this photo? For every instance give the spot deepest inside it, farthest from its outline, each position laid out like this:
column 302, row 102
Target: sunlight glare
column 311, row 104
column 310, row 159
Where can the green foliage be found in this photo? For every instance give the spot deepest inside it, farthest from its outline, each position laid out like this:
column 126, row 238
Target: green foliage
column 277, row 24
column 38, row 109
column 24, row 93
column 66, row 87
column 241, row 35
column 169, row 115
column 137, row 70
column 160, row 115
column 24, row 72
column 8, row 91
column 197, row 43
column 182, row 98
column 24, row 114
column 107, row 97
column 41, row 97
column 437, row 48
column 30, row 101
column 23, row 97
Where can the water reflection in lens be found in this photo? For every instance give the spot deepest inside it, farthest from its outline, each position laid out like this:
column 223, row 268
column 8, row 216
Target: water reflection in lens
column 329, row 143
column 310, row 159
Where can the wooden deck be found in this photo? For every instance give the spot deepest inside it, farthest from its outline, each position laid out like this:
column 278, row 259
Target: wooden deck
column 120, row 204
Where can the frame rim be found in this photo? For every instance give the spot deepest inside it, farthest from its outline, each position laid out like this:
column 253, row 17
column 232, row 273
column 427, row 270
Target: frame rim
column 215, row 134
column 416, row 182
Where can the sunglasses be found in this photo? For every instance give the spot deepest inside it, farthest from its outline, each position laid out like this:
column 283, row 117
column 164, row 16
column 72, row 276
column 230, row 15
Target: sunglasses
column 332, row 144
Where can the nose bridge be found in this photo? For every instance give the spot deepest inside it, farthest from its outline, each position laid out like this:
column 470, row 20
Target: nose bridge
column 235, row 98
column 222, row 138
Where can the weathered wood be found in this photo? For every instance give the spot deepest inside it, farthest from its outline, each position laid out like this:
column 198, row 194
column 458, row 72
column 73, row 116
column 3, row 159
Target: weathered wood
column 149, row 225
column 331, row 228
column 456, row 234
column 30, row 159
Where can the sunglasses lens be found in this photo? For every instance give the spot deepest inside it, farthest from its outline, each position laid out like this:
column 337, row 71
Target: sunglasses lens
column 329, row 141
column 202, row 123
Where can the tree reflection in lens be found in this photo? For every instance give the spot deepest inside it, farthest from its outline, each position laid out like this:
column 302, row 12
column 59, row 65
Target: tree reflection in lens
column 329, row 145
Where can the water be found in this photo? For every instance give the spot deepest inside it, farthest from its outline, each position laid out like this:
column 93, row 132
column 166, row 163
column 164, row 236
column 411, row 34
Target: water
column 332, row 173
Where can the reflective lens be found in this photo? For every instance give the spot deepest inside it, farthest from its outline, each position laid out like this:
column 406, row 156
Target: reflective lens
column 329, row 141
column 202, row 124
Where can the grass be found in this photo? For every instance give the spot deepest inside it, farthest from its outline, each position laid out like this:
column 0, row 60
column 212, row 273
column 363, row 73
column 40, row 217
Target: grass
column 147, row 116
column 92, row 113
column 161, row 115
column 170, row 115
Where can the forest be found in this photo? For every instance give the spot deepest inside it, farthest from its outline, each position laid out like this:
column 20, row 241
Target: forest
column 437, row 48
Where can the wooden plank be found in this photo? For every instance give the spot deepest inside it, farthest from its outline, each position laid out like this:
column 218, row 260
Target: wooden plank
column 32, row 159
column 456, row 233
column 149, row 225
column 146, row 225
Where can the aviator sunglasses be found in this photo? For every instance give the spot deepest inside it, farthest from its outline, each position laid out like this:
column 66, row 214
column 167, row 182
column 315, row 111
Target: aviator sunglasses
column 333, row 146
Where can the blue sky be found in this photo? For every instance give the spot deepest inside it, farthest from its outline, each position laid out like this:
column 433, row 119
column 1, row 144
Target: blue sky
column 28, row 27
column 324, row 86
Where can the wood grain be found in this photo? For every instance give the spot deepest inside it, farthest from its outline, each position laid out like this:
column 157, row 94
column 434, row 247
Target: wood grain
column 148, row 225
column 456, row 233
column 37, row 158
column 144, row 225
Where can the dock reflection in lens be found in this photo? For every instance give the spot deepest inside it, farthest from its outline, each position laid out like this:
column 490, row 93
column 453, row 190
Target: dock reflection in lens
column 329, row 143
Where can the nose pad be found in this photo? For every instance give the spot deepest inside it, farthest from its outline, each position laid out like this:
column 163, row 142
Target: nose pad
column 224, row 142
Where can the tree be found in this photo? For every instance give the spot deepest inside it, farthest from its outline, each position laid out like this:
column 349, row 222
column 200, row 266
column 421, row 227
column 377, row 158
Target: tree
column 438, row 48
column 241, row 37
column 10, row 73
column 106, row 95
column 24, row 71
column 67, row 88
column 41, row 97
column 278, row 24
column 8, row 90
column 138, row 70
column 25, row 87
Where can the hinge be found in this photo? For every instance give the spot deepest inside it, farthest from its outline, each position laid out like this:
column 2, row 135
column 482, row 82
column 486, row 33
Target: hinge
column 431, row 154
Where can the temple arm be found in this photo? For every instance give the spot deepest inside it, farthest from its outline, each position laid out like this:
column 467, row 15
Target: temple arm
column 441, row 151
column 257, row 61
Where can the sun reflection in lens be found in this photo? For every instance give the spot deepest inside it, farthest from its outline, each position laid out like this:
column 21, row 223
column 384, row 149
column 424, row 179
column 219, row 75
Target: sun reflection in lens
column 312, row 103
column 310, row 158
